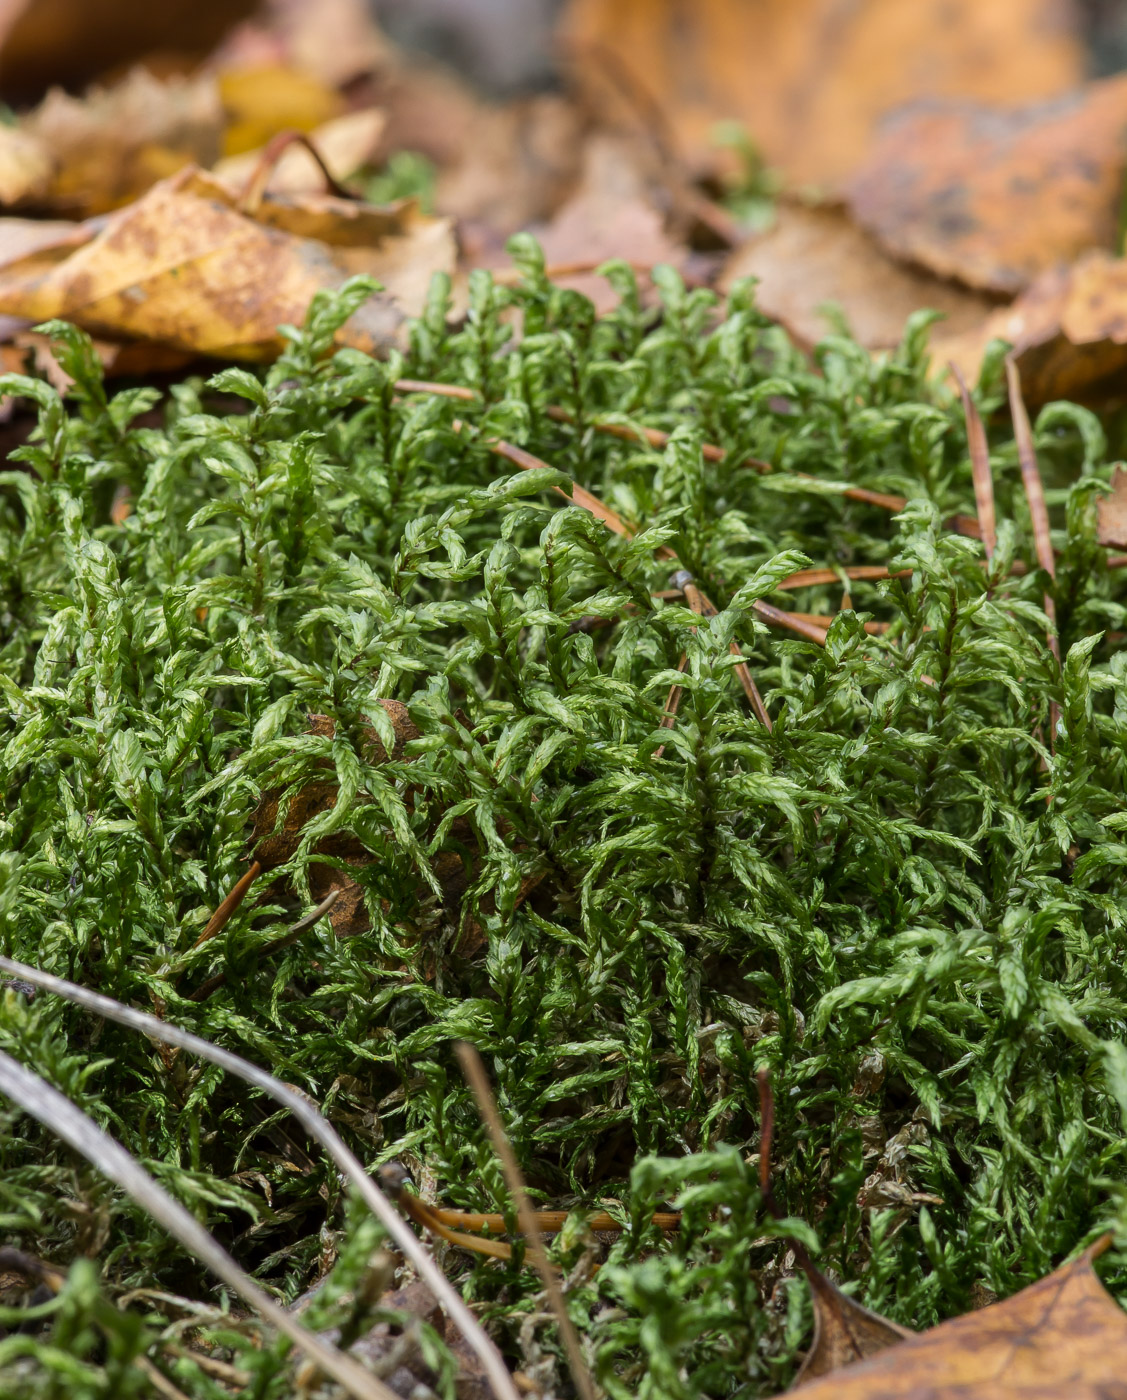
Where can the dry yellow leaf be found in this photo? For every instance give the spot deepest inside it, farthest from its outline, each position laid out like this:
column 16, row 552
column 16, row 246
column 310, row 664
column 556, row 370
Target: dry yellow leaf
column 260, row 102
column 113, row 144
column 185, row 267
column 26, row 167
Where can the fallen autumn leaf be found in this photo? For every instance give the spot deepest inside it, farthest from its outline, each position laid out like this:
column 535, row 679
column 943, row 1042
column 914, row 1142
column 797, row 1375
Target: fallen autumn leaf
column 993, row 196
column 185, row 266
column 1063, row 1336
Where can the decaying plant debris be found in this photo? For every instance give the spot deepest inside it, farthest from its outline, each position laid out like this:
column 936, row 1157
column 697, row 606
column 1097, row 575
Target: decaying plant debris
column 486, row 662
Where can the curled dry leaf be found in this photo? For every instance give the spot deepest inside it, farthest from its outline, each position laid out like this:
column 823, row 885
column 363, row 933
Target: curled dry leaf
column 344, row 144
column 994, row 196
column 1068, row 330
column 815, row 255
column 810, row 79
column 844, row 1331
column 185, row 267
column 1064, row 1335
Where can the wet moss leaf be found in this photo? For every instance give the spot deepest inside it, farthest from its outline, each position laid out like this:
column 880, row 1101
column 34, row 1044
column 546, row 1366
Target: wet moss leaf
column 1064, row 1335
column 184, row 266
column 991, row 196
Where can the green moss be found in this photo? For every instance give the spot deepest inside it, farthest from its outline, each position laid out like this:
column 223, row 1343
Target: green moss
column 907, row 900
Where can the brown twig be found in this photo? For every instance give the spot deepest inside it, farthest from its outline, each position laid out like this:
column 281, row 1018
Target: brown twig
column 478, row 1081
column 551, row 1222
column 793, row 621
column 672, row 703
column 205, row 989
column 223, row 915
column 695, row 600
column 874, row 629
column 584, row 499
column 979, row 466
column 255, row 188
column 450, row 1225
column 1038, row 515
column 809, row 578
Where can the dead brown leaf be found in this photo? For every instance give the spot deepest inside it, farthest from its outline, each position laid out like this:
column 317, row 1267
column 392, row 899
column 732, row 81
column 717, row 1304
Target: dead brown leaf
column 815, row 255
column 504, row 165
column 811, row 78
column 844, row 1331
column 1064, row 1335
column 994, row 196
column 612, row 214
column 186, row 268
column 273, row 845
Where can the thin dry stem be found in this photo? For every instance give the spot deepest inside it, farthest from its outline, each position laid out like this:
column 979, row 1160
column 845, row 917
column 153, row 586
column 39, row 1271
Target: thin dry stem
column 1038, row 515
column 979, row 465
column 474, row 1071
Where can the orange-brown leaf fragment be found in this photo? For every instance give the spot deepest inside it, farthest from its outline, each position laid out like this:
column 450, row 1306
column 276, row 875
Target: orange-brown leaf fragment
column 612, row 214
column 1068, row 330
column 1111, row 512
column 994, row 196
column 1063, row 1336
column 814, row 255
